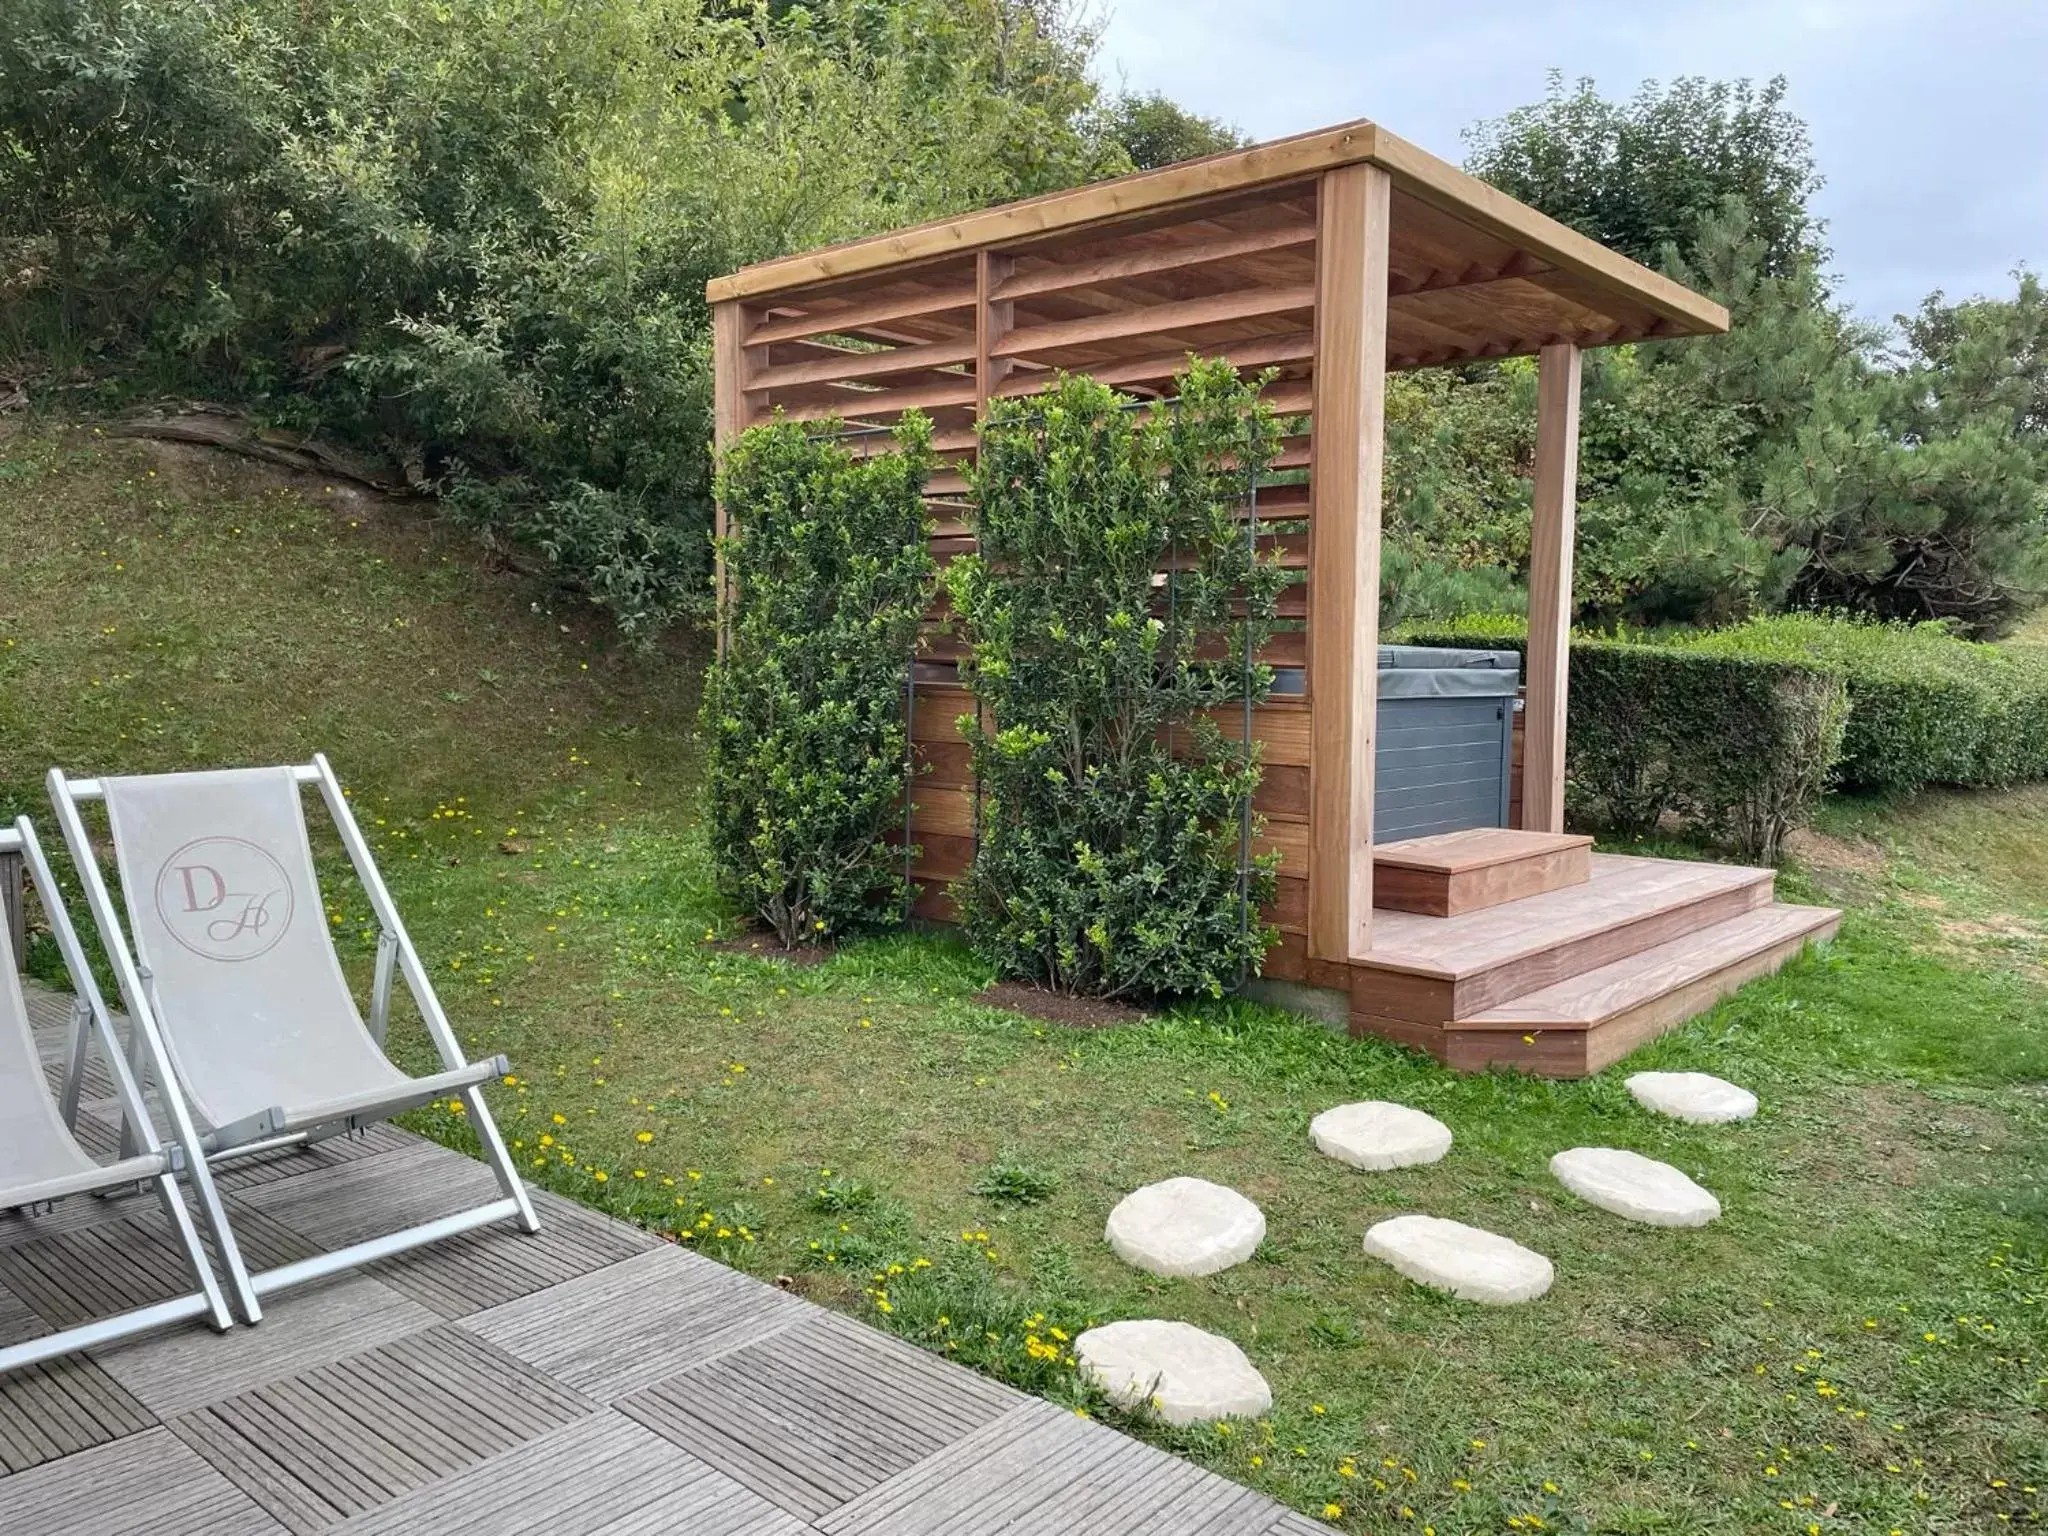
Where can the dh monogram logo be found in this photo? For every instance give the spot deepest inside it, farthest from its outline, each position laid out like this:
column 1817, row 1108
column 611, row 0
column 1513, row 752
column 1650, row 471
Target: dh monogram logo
column 224, row 898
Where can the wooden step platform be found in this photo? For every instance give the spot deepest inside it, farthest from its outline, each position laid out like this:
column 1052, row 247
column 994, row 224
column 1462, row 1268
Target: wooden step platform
column 1567, row 981
column 1590, row 1021
column 1434, row 969
column 1457, row 872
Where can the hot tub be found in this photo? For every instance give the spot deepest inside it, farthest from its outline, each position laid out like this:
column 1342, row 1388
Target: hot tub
column 1446, row 740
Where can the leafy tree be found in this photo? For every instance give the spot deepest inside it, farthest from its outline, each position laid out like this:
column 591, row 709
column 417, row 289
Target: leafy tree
column 1154, row 131
column 475, row 234
column 1645, row 174
column 1797, row 459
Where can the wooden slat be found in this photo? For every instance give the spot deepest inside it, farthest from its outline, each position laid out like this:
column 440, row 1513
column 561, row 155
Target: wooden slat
column 1350, row 390
column 1291, row 397
column 862, row 406
column 946, row 811
column 847, row 364
column 1552, row 520
column 1298, row 347
column 860, row 313
column 1163, row 258
column 1153, row 319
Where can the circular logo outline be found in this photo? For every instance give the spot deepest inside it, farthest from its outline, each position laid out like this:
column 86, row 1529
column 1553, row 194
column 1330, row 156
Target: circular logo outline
column 283, row 881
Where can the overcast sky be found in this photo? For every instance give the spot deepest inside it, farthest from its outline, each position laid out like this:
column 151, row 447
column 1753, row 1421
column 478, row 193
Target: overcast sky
column 1929, row 117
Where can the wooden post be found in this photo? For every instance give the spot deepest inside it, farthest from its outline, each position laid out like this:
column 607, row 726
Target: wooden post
column 1346, row 454
column 993, row 320
column 728, row 416
column 1553, row 516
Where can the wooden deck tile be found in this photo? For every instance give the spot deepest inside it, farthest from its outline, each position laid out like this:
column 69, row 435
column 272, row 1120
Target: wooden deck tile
column 18, row 1320
column 352, row 1436
column 59, row 1407
column 818, row 1413
column 1041, row 1471
column 75, row 1215
column 146, row 1485
column 269, row 1167
column 632, row 1324
column 344, row 1203
column 493, row 1265
column 601, row 1476
column 188, row 1367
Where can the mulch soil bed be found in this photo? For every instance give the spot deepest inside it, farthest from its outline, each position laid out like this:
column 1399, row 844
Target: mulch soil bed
column 761, row 944
column 1059, row 1008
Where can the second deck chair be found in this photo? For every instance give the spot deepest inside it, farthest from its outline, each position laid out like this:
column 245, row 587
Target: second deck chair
column 227, row 958
column 41, row 1161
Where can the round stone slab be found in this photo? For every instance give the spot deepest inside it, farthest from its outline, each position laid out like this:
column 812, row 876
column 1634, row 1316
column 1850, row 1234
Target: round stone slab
column 1631, row 1185
column 1379, row 1135
column 1467, row 1262
column 1190, row 1377
column 1697, row 1097
column 1185, row 1227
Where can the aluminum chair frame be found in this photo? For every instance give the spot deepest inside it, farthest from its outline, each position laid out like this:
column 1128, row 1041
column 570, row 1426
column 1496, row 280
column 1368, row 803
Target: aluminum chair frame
column 90, row 1017
column 281, row 1128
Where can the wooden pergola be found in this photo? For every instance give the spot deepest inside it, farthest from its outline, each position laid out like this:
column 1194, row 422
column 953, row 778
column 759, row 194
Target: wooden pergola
column 1334, row 257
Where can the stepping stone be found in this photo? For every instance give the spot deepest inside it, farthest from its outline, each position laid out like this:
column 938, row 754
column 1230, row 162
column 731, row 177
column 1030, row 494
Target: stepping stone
column 1189, row 1377
column 1696, row 1097
column 1185, row 1227
column 1378, row 1135
column 1631, row 1185
column 1467, row 1262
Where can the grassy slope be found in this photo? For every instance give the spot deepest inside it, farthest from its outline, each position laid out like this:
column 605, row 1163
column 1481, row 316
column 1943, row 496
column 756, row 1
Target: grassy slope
column 1858, row 1345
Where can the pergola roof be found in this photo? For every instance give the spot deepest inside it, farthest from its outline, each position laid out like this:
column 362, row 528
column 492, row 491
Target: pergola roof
column 1472, row 272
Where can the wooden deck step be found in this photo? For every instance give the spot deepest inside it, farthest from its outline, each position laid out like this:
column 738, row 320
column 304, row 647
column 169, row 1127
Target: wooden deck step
column 1583, row 1023
column 1431, row 970
column 1455, row 872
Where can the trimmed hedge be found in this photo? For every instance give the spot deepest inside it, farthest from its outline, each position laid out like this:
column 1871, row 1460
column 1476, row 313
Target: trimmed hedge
column 1738, row 748
column 1925, row 706
column 829, row 573
column 1108, row 862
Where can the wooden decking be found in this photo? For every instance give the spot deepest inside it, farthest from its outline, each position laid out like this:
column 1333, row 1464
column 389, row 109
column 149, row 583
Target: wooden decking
column 589, row 1380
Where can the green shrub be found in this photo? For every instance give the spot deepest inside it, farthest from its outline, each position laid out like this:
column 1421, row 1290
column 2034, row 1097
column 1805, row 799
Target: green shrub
column 830, row 573
column 1926, row 707
column 1108, row 859
column 1737, row 748
column 472, row 236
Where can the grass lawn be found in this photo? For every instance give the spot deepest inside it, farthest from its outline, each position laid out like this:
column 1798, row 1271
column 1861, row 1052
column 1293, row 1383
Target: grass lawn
column 1861, row 1344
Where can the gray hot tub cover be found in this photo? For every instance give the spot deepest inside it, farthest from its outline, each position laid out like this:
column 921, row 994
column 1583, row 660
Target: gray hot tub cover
column 1434, row 672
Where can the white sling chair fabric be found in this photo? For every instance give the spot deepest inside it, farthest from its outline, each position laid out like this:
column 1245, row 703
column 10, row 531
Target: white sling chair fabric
column 229, row 927
column 227, row 959
column 41, row 1160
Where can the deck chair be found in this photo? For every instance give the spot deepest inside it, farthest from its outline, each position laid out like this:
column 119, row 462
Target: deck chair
column 232, row 980
column 41, row 1161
